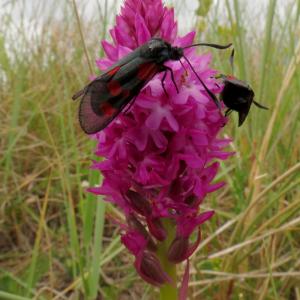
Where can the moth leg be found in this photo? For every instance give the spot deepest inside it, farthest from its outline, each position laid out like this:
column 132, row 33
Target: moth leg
column 208, row 91
column 163, row 83
column 129, row 106
column 166, row 68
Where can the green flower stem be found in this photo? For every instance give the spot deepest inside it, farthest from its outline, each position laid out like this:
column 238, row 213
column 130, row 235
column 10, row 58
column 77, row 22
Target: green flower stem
column 168, row 291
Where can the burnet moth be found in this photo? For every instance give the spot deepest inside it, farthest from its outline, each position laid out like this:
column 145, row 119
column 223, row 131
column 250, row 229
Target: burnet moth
column 107, row 95
column 237, row 95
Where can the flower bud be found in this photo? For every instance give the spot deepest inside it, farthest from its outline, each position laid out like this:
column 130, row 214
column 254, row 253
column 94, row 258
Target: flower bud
column 181, row 249
column 156, row 228
column 178, row 250
column 151, row 270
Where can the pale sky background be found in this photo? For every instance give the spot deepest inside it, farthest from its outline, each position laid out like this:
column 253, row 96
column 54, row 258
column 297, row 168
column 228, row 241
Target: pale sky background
column 40, row 9
column 30, row 14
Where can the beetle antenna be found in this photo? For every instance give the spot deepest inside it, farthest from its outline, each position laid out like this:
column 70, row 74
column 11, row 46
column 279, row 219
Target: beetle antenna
column 212, row 95
column 259, row 105
column 231, row 60
column 217, row 46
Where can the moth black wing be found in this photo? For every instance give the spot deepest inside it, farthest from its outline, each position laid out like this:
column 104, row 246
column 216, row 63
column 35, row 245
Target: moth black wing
column 95, row 112
column 106, row 96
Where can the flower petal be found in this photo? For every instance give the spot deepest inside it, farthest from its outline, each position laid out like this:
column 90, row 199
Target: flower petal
column 142, row 32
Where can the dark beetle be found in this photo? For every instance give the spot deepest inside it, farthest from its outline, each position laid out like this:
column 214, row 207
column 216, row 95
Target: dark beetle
column 238, row 95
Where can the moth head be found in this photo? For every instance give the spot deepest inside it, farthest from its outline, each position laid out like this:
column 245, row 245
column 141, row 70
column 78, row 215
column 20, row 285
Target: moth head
column 176, row 53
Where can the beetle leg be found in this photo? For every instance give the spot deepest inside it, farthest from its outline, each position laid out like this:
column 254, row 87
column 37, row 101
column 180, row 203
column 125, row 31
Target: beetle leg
column 231, row 60
column 228, row 112
column 259, row 105
column 217, row 85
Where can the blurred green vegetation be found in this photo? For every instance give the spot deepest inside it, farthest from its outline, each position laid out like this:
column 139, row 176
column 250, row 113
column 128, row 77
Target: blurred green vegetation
column 55, row 242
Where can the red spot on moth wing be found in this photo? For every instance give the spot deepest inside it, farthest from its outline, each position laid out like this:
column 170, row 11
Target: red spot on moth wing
column 230, row 77
column 95, row 116
column 147, row 70
column 107, row 109
column 108, row 75
column 113, row 71
column 125, row 94
column 90, row 121
column 114, row 88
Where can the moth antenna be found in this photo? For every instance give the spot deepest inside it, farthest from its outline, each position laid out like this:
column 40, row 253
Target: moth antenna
column 212, row 96
column 182, row 65
column 260, row 105
column 231, row 60
column 217, row 46
column 78, row 94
